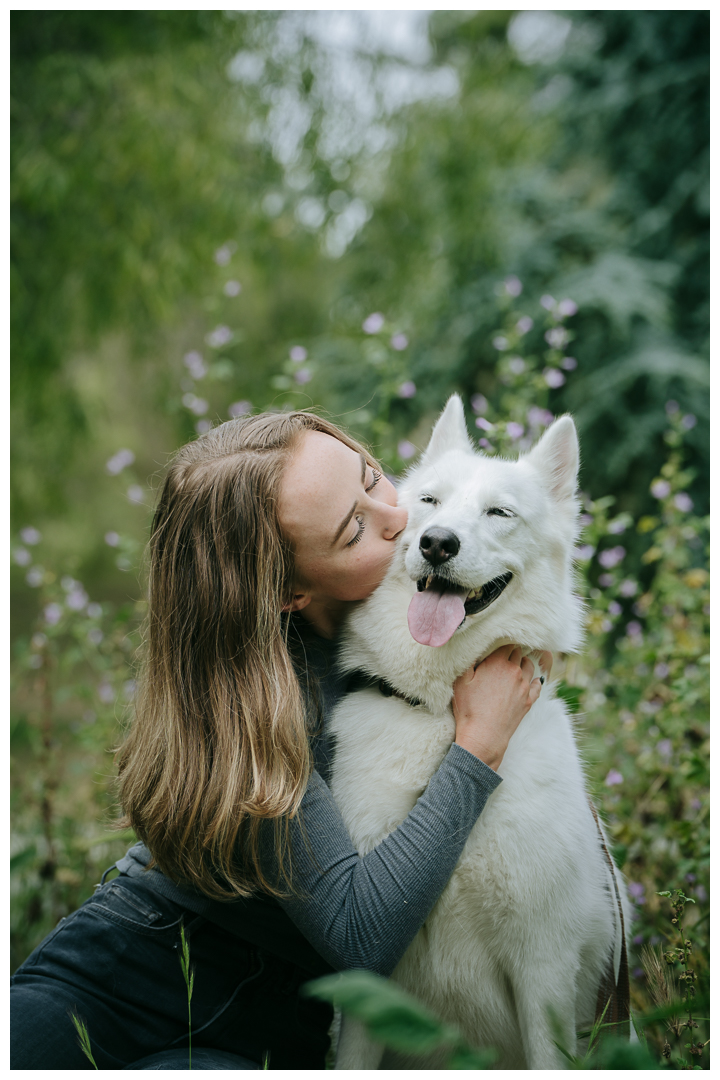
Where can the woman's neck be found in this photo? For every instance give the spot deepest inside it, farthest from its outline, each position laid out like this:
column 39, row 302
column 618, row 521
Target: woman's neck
column 326, row 616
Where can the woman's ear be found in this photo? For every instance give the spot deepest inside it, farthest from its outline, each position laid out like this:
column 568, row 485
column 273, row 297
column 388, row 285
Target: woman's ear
column 298, row 602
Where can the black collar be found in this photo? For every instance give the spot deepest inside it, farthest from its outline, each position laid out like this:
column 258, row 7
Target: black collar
column 360, row 680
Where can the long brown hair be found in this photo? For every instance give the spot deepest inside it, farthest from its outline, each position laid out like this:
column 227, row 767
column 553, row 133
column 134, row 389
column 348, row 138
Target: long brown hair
column 219, row 740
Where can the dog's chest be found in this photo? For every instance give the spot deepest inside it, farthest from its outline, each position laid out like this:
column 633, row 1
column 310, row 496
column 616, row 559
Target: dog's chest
column 386, row 751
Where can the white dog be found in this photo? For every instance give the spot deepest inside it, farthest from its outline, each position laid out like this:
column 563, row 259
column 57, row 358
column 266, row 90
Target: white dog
column 531, row 918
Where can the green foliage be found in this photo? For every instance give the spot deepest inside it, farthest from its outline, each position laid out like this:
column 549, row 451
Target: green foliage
column 396, row 1019
column 83, row 1038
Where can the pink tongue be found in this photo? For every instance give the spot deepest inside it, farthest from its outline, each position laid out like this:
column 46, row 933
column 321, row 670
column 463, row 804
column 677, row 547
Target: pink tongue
column 433, row 616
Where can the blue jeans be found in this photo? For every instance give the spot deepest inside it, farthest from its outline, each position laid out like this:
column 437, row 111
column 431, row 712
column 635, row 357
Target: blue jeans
column 115, row 963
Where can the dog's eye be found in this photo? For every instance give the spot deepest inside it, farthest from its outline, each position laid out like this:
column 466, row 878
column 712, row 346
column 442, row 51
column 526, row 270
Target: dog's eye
column 428, row 499
column 498, row 510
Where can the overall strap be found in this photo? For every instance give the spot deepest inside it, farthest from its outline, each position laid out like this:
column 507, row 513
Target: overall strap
column 614, row 993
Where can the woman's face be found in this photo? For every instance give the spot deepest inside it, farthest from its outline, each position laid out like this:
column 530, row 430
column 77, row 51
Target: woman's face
column 341, row 517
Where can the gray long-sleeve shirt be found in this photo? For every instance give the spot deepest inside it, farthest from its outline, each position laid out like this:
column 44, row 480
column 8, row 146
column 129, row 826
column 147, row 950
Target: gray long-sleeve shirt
column 349, row 911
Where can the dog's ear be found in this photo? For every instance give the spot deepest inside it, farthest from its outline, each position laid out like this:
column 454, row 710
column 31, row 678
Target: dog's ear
column 449, row 432
column 557, row 458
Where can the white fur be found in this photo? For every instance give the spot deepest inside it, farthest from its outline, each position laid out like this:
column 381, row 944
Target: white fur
column 526, row 923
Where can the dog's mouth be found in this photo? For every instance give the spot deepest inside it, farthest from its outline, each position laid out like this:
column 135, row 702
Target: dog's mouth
column 439, row 607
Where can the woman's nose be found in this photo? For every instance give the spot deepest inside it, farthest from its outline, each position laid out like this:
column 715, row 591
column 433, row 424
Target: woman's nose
column 395, row 523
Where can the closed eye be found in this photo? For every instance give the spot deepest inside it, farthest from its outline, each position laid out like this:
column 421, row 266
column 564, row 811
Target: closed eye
column 377, row 477
column 498, row 511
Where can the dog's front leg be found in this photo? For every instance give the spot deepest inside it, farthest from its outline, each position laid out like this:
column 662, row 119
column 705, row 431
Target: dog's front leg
column 545, row 999
column 355, row 1050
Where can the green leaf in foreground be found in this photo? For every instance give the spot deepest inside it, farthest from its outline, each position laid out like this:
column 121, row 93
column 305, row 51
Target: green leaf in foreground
column 83, row 1038
column 393, row 1017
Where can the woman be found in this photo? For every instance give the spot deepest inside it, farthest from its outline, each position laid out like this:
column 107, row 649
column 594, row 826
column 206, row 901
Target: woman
column 267, row 530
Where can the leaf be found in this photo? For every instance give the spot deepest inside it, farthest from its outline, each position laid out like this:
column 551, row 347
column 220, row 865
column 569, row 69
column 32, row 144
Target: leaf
column 390, row 1015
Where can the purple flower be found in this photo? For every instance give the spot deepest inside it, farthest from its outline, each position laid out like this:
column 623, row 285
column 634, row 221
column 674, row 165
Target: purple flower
column 195, row 404
column 628, row 587
column 689, row 421
column 638, row 939
column 500, row 343
column 616, row 527
column 95, row 635
column 553, row 378
column 239, row 408
column 524, row 324
column 538, row 417
column 569, row 363
column 35, row 576
column 94, row 611
column 636, row 890
column 513, row 285
column 219, row 337
column 479, row 403
column 53, row 614
column 106, row 692
column 585, row 519
column 516, row 365
column 77, row 599
column 303, row 376
column 515, row 431
column 484, row 424
column 407, row 389
column 298, row 353
column 399, row 342
column 118, row 461
column 613, row 777
column 547, row 301
column 584, row 552
column 556, row 337
column 683, row 502
column 486, row 445
column 30, row 535
column 660, row 488
column 406, row 449
column 203, row 426
column 232, row 288
column 661, row 670
column 633, row 629
column 112, row 539
column 22, row 557
column 671, row 407
column 690, row 878
column 129, row 688
column 135, row 494
column 611, row 557
column 195, row 364
column 223, row 254
column 606, row 580
column 664, row 749
column 567, row 308
column 374, row 323
column 614, row 608
column 701, row 893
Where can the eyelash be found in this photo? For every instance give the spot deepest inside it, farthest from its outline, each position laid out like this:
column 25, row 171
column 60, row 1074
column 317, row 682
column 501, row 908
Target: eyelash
column 358, row 534
column 377, row 476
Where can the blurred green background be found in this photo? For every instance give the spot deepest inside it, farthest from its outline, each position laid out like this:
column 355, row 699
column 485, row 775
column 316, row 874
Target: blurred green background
column 214, row 212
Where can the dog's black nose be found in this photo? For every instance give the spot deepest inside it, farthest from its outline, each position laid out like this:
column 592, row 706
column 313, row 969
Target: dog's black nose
column 439, row 545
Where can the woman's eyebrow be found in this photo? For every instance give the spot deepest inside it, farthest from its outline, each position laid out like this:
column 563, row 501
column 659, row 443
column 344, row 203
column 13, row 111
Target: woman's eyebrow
column 346, row 520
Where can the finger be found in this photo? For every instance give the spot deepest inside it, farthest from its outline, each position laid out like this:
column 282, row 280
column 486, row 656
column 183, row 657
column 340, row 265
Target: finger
column 516, row 656
column 534, row 692
column 527, row 667
column 545, row 661
column 503, row 650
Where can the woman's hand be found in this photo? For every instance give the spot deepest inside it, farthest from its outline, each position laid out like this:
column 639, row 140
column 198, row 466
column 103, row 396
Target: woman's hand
column 490, row 700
